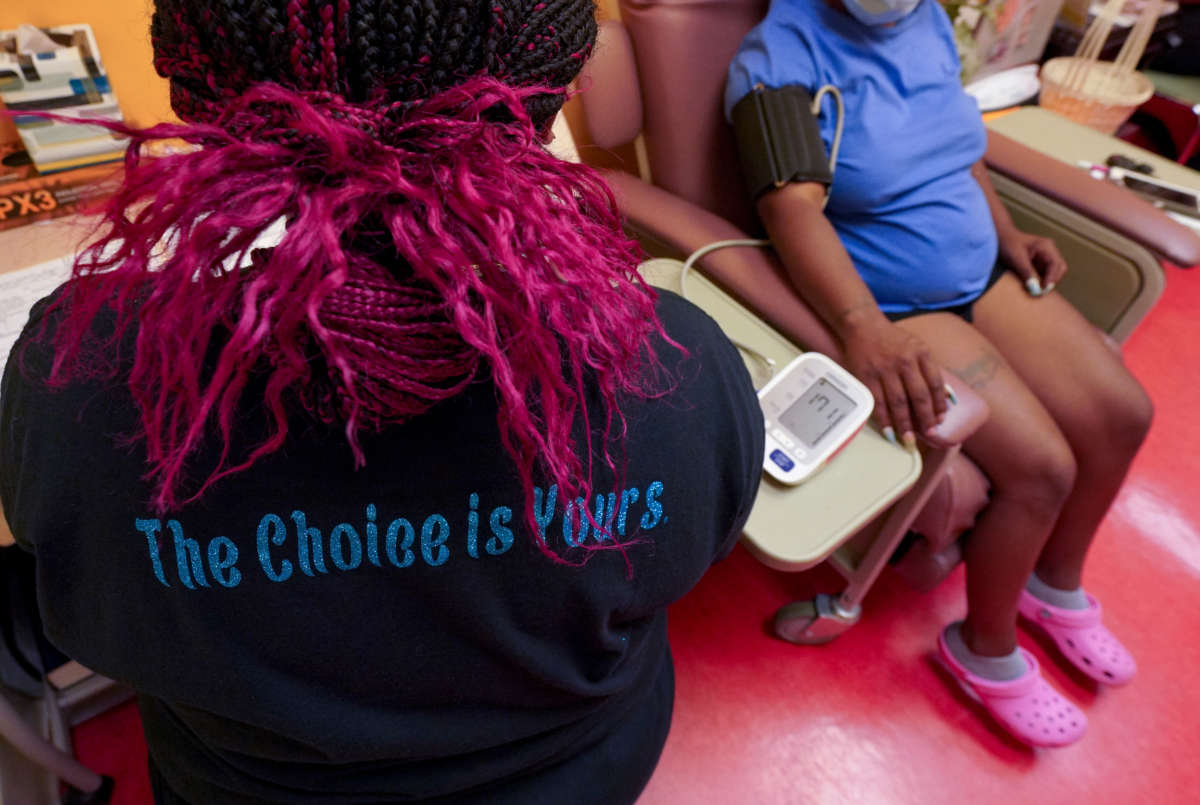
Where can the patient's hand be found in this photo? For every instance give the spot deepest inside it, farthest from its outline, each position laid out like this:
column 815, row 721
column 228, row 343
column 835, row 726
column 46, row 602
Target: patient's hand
column 6, row 536
column 1035, row 260
column 910, row 394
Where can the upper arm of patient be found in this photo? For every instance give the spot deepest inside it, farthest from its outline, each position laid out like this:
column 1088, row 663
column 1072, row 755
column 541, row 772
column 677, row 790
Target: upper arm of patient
column 783, row 204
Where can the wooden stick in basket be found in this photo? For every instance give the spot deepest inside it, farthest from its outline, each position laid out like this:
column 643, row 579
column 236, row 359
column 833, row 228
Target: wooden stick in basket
column 1135, row 45
column 1090, row 46
column 1114, row 79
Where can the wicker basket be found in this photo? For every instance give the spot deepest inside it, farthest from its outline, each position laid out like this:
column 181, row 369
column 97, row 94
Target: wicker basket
column 1106, row 98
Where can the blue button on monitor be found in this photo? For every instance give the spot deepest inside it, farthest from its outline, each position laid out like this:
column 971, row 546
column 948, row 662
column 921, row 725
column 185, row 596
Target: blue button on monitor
column 781, row 458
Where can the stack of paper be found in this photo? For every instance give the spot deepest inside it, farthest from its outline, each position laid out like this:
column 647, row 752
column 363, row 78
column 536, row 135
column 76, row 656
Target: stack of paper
column 58, row 70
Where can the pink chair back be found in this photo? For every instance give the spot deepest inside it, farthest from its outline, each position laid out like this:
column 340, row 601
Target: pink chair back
column 683, row 49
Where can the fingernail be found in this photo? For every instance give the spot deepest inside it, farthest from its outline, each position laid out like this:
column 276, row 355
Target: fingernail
column 932, row 433
column 1034, row 286
column 890, row 435
column 950, row 393
column 1050, row 287
column 910, row 439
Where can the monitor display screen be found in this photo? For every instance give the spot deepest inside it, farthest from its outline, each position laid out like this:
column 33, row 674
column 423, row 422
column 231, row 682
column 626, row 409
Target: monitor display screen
column 817, row 411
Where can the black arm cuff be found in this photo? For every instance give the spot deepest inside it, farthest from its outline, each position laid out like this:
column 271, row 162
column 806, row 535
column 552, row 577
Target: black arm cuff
column 779, row 140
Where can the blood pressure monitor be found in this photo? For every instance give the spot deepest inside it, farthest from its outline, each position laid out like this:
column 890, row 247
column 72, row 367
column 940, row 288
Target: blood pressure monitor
column 812, row 408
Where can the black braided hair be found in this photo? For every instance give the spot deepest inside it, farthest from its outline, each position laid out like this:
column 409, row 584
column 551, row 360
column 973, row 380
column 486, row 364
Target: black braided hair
column 378, row 51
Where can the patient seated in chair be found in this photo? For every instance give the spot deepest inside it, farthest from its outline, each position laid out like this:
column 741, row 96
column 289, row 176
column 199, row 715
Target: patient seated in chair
column 907, row 253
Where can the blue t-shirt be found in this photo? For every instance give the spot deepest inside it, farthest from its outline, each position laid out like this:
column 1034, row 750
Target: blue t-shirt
column 910, row 214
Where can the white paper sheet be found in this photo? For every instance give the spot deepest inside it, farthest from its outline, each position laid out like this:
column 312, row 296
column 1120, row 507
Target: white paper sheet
column 19, row 290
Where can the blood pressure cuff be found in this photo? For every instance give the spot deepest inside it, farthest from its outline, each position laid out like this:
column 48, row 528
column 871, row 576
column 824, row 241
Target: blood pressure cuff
column 778, row 139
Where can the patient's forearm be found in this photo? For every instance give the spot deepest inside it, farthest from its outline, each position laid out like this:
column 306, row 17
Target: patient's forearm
column 815, row 260
column 893, row 363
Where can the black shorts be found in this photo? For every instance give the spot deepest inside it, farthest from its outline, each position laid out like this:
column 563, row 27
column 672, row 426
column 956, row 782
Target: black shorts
column 963, row 311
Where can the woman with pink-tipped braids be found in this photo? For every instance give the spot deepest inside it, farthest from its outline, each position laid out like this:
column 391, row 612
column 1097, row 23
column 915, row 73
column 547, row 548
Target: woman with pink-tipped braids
column 355, row 445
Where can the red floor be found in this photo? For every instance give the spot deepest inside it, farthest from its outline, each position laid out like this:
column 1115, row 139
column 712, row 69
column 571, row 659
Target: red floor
column 869, row 718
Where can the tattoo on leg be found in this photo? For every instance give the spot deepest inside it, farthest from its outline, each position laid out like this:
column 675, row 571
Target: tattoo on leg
column 979, row 372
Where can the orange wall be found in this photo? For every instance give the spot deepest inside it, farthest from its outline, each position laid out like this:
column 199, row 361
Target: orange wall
column 122, row 29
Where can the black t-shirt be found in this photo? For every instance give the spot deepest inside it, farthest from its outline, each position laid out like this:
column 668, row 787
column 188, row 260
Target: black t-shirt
column 309, row 633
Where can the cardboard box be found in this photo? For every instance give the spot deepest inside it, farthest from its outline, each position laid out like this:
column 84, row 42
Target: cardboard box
column 15, row 164
column 43, row 197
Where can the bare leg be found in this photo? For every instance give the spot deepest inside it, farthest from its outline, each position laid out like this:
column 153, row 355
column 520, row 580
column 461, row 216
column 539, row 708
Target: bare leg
column 29, row 743
column 1100, row 408
column 1031, row 468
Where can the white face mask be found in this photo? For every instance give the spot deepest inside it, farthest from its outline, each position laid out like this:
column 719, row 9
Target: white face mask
column 880, row 12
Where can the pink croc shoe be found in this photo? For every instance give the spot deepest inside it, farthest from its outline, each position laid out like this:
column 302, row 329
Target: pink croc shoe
column 1082, row 638
column 1028, row 707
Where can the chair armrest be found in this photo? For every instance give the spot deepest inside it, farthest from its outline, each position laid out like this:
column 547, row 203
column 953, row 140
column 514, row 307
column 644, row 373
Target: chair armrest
column 611, row 97
column 1113, row 206
column 754, row 277
column 962, row 419
column 751, row 275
